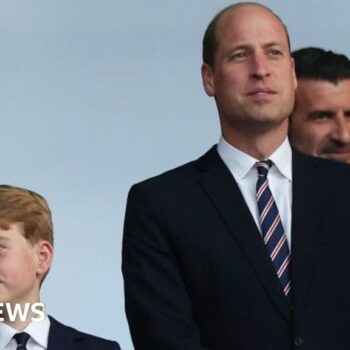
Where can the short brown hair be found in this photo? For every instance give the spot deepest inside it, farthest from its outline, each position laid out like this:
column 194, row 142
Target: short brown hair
column 27, row 208
column 210, row 41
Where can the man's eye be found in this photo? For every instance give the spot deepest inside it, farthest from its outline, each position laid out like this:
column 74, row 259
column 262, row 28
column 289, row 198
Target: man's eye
column 323, row 116
column 275, row 52
column 320, row 117
column 238, row 56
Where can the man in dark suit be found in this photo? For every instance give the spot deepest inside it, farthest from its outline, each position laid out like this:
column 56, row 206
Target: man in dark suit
column 245, row 248
column 26, row 250
column 320, row 122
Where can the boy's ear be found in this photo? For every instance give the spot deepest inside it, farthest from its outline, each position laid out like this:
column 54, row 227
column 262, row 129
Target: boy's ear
column 44, row 252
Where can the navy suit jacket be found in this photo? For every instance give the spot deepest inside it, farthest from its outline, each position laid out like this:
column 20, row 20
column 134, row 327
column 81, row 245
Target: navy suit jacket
column 62, row 337
column 198, row 276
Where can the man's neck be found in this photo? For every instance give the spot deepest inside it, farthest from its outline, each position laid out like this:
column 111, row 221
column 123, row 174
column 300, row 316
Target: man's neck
column 259, row 145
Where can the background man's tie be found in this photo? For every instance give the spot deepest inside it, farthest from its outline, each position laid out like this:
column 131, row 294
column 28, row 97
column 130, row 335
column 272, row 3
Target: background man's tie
column 21, row 339
column 272, row 230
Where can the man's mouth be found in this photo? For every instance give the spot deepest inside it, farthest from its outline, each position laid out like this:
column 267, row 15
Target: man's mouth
column 261, row 93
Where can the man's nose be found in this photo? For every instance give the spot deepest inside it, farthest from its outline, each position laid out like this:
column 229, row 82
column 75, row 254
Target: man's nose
column 259, row 66
column 341, row 129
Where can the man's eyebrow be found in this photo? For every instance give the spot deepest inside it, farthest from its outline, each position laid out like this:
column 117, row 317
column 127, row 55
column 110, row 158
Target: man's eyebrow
column 238, row 47
column 274, row 44
column 317, row 112
column 248, row 46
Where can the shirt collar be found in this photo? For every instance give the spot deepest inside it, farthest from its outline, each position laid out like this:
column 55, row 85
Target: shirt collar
column 6, row 334
column 282, row 158
column 241, row 163
column 38, row 331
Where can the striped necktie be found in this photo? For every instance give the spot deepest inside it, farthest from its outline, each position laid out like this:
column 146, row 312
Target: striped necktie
column 272, row 230
column 21, row 339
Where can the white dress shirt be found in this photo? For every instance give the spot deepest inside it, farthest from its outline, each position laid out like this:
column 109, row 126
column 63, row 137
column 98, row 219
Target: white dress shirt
column 38, row 331
column 242, row 167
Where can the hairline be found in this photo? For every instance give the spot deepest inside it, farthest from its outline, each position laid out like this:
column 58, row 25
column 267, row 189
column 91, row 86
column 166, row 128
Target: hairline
column 213, row 25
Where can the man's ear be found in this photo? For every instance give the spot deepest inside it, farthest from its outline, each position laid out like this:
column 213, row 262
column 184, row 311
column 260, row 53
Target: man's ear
column 44, row 253
column 208, row 79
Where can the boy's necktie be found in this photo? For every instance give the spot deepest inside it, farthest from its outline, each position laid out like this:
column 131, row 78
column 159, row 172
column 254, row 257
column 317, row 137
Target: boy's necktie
column 272, row 230
column 21, row 339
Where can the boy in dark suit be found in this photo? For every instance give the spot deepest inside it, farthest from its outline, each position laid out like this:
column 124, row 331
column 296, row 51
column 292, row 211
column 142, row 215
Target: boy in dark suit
column 26, row 251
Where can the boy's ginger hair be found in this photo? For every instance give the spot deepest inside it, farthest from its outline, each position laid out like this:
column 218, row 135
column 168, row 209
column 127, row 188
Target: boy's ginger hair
column 28, row 209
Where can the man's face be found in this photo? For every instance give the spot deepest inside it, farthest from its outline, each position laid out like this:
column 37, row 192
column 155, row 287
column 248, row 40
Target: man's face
column 19, row 267
column 253, row 78
column 320, row 123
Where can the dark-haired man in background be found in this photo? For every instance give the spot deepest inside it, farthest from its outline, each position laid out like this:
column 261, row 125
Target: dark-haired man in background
column 320, row 123
column 211, row 256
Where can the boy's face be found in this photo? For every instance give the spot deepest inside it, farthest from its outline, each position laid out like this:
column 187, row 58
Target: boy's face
column 22, row 266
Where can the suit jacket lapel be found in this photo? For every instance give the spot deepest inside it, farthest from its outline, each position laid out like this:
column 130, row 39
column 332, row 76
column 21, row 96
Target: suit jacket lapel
column 62, row 337
column 227, row 199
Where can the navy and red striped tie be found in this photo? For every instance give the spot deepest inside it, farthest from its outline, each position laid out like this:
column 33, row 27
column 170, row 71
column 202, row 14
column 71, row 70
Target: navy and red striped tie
column 272, row 230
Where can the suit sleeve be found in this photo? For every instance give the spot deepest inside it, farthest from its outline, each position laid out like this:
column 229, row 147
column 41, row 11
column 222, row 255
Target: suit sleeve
column 157, row 305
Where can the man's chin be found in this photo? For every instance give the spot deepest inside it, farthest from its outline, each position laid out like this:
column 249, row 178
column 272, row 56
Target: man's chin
column 343, row 157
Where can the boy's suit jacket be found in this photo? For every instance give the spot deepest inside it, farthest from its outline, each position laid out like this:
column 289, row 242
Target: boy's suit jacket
column 198, row 276
column 62, row 337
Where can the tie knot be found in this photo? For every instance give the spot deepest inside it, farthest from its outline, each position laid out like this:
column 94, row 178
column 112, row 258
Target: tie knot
column 263, row 167
column 21, row 339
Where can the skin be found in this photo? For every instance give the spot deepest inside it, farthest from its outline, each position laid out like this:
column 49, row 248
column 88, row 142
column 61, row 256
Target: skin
column 253, row 80
column 320, row 123
column 22, row 267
